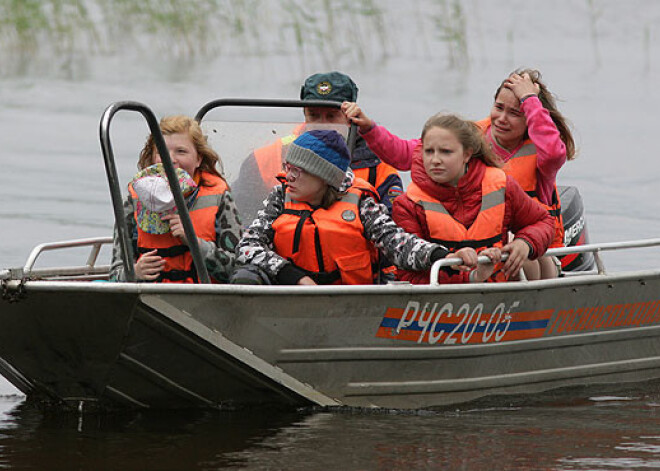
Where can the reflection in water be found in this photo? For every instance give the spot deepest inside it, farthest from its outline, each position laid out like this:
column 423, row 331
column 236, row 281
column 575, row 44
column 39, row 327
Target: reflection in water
column 616, row 432
column 570, row 435
column 176, row 440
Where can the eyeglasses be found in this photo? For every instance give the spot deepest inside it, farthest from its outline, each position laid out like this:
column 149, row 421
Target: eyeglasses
column 292, row 170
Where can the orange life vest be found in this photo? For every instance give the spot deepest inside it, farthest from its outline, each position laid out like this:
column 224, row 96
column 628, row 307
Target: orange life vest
column 485, row 231
column 270, row 158
column 328, row 244
column 375, row 175
column 179, row 266
column 522, row 167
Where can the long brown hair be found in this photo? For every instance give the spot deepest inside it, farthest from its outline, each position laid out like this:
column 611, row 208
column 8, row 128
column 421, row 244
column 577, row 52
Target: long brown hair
column 468, row 134
column 180, row 124
column 549, row 103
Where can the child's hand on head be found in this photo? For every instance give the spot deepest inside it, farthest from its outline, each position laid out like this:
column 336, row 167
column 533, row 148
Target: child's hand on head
column 522, row 86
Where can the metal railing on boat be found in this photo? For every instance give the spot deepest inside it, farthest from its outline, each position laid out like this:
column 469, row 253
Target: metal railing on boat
column 80, row 272
column 92, row 271
column 115, row 192
column 596, row 249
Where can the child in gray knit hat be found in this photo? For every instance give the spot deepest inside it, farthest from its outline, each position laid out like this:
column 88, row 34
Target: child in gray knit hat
column 324, row 226
column 322, row 153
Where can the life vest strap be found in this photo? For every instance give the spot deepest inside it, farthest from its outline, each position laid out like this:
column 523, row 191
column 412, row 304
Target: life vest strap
column 475, row 244
column 167, row 252
column 303, row 214
column 555, row 197
column 373, row 173
column 177, row 275
column 318, row 249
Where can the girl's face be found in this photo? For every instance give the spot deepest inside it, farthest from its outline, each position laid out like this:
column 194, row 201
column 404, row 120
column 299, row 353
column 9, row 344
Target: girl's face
column 508, row 123
column 444, row 156
column 182, row 152
column 304, row 186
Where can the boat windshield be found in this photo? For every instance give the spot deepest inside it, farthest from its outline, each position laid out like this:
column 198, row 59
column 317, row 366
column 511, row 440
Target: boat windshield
column 252, row 153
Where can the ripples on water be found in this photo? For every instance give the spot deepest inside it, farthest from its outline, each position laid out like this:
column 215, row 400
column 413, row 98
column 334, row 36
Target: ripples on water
column 410, row 60
column 581, row 433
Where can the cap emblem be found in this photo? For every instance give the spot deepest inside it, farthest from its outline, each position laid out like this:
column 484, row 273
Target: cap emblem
column 324, row 88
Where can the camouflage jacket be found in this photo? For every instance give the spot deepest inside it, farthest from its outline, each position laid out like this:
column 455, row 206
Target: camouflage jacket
column 404, row 250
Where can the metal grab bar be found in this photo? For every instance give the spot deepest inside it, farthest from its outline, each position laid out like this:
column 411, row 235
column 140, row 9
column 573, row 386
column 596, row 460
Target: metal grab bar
column 448, row 262
column 115, row 192
column 95, row 242
column 595, row 248
column 278, row 103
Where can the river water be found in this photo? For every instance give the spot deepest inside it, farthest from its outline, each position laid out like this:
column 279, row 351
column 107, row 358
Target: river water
column 410, row 60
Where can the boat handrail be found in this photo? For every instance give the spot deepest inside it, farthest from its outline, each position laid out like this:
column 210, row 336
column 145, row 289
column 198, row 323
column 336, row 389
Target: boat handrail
column 92, row 269
column 89, row 269
column 594, row 248
column 115, row 192
column 277, row 103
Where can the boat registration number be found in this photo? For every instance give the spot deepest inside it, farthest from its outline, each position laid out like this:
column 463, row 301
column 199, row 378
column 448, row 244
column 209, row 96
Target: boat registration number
column 449, row 324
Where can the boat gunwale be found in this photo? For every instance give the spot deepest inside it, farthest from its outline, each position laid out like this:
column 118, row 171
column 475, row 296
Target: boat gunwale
column 574, row 281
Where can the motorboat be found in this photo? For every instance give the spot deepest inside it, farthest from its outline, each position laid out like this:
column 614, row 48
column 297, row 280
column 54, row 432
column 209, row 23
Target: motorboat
column 70, row 338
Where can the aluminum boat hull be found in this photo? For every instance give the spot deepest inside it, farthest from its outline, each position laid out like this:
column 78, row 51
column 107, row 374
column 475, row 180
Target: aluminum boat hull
column 397, row 346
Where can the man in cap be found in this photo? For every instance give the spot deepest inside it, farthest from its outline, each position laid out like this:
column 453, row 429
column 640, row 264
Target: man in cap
column 258, row 173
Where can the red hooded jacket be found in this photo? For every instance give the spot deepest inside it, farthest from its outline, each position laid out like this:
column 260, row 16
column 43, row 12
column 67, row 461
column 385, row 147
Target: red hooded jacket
column 523, row 216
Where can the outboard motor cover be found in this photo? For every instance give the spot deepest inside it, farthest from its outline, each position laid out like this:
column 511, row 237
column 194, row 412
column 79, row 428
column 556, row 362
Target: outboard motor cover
column 575, row 230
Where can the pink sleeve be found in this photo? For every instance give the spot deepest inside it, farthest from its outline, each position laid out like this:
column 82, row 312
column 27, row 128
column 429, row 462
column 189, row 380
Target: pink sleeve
column 551, row 151
column 389, row 148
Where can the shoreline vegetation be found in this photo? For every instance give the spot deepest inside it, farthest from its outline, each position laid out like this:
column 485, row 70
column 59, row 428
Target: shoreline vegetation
column 63, row 37
column 46, row 35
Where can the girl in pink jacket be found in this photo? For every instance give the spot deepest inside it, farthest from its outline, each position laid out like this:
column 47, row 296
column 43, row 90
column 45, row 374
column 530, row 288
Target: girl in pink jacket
column 525, row 130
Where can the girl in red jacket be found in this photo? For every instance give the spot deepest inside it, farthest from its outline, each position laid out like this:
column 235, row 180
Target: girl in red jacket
column 525, row 130
column 459, row 197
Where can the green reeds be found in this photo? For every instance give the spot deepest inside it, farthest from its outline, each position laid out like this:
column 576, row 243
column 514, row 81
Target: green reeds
column 451, row 25
column 26, row 25
column 318, row 33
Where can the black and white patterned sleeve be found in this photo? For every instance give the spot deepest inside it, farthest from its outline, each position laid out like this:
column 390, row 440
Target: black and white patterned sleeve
column 405, row 250
column 219, row 258
column 256, row 246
